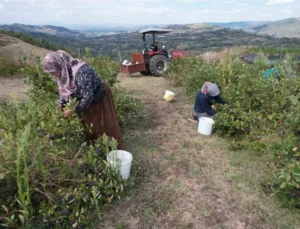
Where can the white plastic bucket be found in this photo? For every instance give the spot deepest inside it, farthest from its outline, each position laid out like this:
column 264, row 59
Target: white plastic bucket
column 205, row 125
column 169, row 95
column 121, row 160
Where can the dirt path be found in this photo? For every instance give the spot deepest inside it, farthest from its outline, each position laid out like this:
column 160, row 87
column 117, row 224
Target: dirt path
column 181, row 179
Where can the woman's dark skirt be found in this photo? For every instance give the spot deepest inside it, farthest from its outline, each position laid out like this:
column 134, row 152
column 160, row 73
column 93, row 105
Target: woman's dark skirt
column 101, row 117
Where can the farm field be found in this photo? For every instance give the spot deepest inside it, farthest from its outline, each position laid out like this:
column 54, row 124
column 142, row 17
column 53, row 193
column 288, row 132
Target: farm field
column 185, row 180
column 63, row 130
column 181, row 179
column 246, row 175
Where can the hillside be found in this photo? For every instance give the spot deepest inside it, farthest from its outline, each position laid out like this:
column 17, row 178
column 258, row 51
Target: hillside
column 284, row 28
column 236, row 24
column 195, row 38
column 195, row 41
column 44, row 29
column 14, row 48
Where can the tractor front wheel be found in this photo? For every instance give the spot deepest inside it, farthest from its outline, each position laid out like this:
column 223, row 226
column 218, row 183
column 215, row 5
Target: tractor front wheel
column 158, row 65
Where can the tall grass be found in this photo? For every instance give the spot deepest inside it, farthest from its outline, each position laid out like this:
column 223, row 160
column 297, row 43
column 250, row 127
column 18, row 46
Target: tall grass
column 9, row 66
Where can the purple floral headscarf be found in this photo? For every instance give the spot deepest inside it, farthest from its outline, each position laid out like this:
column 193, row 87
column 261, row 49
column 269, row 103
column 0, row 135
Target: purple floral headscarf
column 63, row 63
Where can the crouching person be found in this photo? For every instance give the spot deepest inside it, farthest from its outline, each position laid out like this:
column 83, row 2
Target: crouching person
column 203, row 101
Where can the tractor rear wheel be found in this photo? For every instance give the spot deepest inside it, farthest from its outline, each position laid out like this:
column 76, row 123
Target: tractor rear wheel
column 158, row 65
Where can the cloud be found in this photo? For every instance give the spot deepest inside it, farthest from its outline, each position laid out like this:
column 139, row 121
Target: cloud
column 287, row 11
column 234, row 11
column 137, row 10
column 158, row 10
column 21, row 2
column 1, row 6
column 207, row 1
column 190, row 1
column 65, row 12
column 142, row 1
column 243, row 4
column 274, row 2
column 207, row 11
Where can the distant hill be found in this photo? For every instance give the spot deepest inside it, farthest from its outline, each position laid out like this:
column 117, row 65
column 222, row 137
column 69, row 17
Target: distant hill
column 14, row 48
column 195, row 38
column 235, row 25
column 283, row 28
column 44, row 29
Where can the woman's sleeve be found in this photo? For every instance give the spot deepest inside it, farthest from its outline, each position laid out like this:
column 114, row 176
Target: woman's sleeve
column 206, row 106
column 220, row 100
column 85, row 85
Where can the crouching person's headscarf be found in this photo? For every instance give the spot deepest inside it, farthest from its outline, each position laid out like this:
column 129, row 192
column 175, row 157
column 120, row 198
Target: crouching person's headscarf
column 212, row 90
column 67, row 66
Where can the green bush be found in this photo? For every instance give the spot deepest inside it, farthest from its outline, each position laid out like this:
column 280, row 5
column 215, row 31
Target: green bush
column 50, row 177
column 105, row 67
column 256, row 108
column 286, row 179
column 127, row 107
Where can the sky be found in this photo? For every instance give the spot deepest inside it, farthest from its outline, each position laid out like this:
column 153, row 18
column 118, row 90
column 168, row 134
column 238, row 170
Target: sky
column 129, row 12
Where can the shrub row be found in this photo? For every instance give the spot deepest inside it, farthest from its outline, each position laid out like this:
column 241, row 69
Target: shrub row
column 50, row 177
column 258, row 108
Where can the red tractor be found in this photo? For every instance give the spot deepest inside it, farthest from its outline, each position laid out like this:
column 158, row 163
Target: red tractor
column 152, row 61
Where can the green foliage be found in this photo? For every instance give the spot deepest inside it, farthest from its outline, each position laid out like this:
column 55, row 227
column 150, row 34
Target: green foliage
column 256, row 107
column 42, row 84
column 180, row 70
column 286, row 155
column 249, row 109
column 50, row 177
column 126, row 105
column 105, row 67
column 286, row 180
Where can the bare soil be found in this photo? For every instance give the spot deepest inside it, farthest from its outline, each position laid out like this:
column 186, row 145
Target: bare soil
column 12, row 87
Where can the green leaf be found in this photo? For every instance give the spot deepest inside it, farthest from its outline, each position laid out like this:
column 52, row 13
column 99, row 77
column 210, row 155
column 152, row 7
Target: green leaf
column 283, row 185
column 5, row 208
column 22, row 219
column 2, row 175
column 75, row 224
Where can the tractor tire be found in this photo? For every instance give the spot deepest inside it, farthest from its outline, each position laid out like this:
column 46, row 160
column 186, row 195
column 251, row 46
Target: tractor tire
column 158, row 65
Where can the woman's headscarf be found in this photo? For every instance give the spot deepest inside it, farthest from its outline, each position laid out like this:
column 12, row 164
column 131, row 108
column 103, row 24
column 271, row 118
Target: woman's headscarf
column 210, row 89
column 63, row 63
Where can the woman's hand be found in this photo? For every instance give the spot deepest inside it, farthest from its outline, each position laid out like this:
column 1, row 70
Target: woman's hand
column 214, row 107
column 68, row 113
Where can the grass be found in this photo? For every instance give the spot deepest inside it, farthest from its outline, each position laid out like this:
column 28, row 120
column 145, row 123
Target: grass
column 8, row 66
column 14, row 52
column 15, row 49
